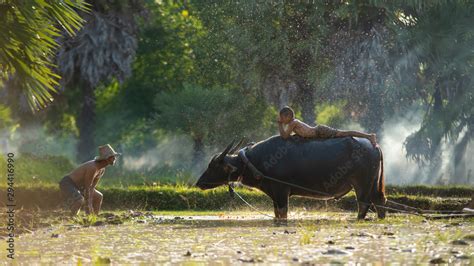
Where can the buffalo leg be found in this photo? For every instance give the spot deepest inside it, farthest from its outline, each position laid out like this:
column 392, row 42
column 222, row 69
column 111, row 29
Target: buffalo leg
column 379, row 203
column 280, row 212
column 283, row 212
column 280, row 204
column 379, row 200
column 280, row 215
column 380, row 212
column 363, row 193
column 275, row 209
column 363, row 209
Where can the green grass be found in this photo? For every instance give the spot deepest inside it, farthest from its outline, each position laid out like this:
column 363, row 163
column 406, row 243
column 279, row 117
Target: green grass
column 33, row 170
column 44, row 172
column 87, row 220
column 432, row 191
column 168, row 197
column 36, row 183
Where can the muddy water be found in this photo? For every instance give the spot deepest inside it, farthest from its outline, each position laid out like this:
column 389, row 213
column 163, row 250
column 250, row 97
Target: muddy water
column 243, row 237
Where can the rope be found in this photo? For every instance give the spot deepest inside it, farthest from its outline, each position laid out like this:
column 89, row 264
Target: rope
column 398, row 210
column 423, row 210
column 298, row 186
column 428, row 216
column 418, row 212
column 250, row 205
column 460, row 215
column 258, row 173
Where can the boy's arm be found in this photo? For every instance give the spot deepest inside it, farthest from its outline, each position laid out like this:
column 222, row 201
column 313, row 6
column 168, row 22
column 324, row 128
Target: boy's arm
column 286, row 134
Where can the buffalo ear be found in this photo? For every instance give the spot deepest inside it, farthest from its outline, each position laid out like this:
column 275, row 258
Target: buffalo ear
column 227, row 149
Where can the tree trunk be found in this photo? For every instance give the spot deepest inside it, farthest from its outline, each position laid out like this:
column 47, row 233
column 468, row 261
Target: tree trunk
column 198, row 151
column 436, row 134
column 278, row 91
column 434, row 174
column 375, row 113
column 86, row 125
column 374, row 118
column 307, row 103
column 460, row 174
column 302, row 59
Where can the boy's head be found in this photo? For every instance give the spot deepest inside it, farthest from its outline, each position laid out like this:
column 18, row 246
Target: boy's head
column 286, row 114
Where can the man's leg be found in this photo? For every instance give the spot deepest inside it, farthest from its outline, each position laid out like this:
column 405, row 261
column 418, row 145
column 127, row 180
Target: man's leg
column 353, row 133
column 97, row 201
column 71, row 195
column 76, row 206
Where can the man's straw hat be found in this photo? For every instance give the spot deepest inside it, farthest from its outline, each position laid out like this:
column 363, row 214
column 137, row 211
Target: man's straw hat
column 106, row 151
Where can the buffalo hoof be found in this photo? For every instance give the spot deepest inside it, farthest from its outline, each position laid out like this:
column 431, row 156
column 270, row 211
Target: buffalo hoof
column 280, row 222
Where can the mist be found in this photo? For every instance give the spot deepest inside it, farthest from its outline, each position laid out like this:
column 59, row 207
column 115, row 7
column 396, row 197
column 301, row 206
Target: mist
column 35, row 140
column 174, row 153
column 398, row 168
column 401, row 170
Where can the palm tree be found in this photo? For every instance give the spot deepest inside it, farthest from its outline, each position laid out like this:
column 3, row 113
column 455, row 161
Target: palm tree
column 102, row 51
column 439, row 42
column 27, row 45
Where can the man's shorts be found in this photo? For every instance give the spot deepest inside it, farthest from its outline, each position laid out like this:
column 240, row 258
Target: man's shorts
column 69, row 191
column 325, row 132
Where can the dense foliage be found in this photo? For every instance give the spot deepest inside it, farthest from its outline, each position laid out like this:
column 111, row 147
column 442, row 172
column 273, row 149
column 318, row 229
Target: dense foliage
column 27, row 45
column 210, row 71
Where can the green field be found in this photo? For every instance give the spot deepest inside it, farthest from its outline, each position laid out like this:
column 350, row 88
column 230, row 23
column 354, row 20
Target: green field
column 164, row 219
column 36, row 183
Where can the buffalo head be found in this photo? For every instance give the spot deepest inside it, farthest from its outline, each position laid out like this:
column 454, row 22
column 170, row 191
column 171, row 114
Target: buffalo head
column 218, row 169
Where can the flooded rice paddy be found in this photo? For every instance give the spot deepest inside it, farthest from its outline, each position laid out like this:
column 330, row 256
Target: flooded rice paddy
column 244, row 237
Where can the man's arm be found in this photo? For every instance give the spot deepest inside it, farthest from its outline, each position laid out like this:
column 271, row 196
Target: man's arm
column 286, row 134
column 88, row 188
column 92, row 190
column 96, row 180
column 94, row 184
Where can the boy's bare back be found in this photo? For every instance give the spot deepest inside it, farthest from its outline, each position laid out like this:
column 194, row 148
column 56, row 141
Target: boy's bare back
column 287, row 123
column 302, row 129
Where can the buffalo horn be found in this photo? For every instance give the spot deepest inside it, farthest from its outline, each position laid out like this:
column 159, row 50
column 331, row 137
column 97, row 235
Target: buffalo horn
column 237, row 146
column 227, row 149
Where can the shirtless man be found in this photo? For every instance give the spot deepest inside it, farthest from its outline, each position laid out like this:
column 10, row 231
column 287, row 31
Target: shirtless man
column 287, row 124
column 79, row 186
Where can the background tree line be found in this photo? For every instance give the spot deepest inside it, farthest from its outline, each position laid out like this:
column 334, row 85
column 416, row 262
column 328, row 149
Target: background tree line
column 129, row 72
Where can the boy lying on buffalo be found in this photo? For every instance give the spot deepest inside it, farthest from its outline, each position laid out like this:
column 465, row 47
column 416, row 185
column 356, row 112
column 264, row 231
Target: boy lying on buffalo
column 287, row 123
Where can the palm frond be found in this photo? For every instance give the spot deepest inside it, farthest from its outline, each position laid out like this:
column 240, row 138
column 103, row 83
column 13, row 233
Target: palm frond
column 27, row 43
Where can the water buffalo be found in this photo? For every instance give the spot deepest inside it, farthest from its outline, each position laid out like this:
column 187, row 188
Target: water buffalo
column 316, row 168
